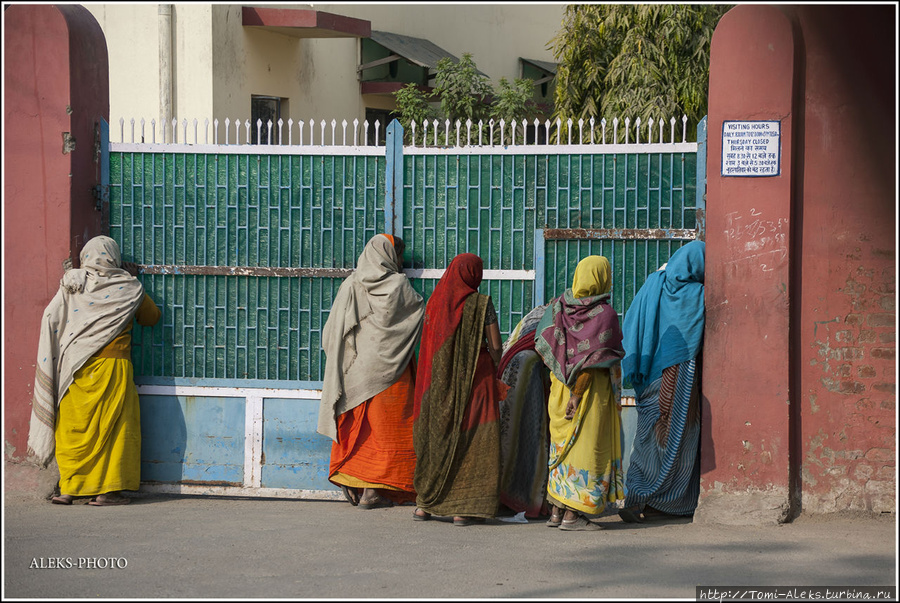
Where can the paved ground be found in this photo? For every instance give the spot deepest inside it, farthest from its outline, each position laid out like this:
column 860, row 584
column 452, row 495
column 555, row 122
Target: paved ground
column 192, row 547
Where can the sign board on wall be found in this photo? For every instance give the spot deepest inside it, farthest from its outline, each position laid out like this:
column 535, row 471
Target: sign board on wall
column 751, row 148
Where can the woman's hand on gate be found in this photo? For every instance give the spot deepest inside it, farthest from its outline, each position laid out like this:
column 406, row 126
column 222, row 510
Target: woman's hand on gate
column 131, row 268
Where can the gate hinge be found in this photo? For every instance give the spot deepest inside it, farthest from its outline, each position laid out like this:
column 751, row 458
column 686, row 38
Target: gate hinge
column 98, row 198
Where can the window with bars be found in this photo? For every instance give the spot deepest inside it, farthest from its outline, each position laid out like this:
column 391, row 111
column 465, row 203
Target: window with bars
column 265, row 108
column 382, row 116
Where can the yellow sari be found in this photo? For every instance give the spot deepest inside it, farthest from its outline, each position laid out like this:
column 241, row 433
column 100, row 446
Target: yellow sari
column 98, row 434
column 85, row 406
column 585, row 451
column 98, row 424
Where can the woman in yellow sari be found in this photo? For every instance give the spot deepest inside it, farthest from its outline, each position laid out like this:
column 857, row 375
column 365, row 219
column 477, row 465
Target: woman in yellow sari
column 85, row 404
column 580, row 341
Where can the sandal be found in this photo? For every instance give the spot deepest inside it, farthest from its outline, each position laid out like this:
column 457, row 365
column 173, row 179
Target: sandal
column 631, row 515
column 352, row 495
column 109, row 501
column 555, row 517
column 376, row 503
column 467, row 521
column 579, row 524
column 423, row 517
column 62, row 499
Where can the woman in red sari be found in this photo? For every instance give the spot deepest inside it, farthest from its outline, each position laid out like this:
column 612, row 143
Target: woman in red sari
column 456, row 433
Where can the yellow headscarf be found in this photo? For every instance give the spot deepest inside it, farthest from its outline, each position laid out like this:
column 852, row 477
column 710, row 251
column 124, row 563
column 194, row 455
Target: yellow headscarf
column 593, row 276
column 580, row 329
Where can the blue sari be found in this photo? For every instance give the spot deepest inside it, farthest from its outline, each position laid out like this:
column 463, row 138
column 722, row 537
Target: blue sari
column 662, row 337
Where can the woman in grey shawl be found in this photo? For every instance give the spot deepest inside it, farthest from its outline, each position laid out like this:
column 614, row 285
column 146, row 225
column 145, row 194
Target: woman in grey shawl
column 85, row 407
column 368, row 392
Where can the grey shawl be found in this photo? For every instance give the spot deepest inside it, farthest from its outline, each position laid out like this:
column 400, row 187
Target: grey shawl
column 370, row 335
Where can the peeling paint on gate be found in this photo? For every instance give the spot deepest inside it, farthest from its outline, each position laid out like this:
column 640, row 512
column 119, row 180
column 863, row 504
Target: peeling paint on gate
column 622, row 234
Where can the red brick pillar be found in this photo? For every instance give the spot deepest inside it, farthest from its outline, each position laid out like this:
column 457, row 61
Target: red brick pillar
column 56, row 90
column 745, row 448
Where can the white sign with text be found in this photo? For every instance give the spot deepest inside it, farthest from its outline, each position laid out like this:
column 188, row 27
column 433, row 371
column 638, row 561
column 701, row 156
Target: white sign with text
column 751, row 148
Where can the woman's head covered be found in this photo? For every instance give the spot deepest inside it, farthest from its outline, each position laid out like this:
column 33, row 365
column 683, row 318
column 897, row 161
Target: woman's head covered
column 593, row 276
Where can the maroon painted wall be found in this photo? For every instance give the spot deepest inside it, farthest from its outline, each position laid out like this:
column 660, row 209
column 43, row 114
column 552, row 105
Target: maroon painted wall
column 846, row 332
column 799, row 352
column 56, row 89
column 746, row 357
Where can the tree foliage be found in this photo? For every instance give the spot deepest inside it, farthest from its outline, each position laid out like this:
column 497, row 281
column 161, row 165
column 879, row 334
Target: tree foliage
column 412, row 105
column 634, row 60
column 462, row 90
column 462, row 94
column 513, row 100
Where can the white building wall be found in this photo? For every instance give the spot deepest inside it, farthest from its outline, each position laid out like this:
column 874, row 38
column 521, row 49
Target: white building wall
column 132, row 40
column 495, row 34
column 317, row 76
column 219, row 63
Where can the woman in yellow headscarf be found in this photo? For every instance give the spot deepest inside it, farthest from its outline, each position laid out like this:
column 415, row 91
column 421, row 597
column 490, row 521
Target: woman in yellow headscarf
column 580, row 341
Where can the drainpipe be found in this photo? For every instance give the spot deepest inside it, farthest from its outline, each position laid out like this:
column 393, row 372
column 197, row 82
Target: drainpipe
column 165, row 67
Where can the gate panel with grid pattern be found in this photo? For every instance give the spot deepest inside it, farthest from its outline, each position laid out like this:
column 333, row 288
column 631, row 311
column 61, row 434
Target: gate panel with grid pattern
column 244, row 248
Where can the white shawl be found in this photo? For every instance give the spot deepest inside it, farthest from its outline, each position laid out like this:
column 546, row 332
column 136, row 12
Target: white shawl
column 370, row 335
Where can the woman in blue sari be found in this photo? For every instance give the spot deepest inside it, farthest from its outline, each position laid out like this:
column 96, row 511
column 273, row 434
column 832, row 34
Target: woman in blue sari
column 663, row 337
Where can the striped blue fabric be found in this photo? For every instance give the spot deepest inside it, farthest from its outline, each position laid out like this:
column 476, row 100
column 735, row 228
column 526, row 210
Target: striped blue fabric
column 666, row 474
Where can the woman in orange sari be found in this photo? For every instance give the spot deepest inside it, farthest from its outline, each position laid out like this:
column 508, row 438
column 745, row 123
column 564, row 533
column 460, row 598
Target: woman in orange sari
column 367, row 396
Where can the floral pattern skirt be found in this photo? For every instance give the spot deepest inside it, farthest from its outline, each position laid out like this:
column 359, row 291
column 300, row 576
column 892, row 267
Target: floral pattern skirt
column 586, row 451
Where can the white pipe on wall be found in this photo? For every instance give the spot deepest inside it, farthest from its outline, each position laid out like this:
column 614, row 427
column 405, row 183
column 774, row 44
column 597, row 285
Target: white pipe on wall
column 166, row 110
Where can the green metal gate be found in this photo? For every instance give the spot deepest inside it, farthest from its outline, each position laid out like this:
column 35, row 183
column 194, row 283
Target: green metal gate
column 244, row 247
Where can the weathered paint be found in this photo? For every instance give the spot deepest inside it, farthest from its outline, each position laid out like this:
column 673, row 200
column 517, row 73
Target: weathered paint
column 746, row 358
column 295, row 456
column 236, row 441
column 393, row 179
column 219, row 490
column 246, row 271
column 192, row 439
column 799, row 370
column 623, row 234
column 847, row 316
column 55, row 81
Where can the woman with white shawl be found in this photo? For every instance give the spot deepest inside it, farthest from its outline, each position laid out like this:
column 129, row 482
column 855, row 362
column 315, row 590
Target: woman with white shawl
column 369, row 340
column 85, row 406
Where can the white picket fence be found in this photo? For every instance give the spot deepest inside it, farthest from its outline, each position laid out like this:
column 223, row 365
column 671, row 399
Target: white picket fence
column 434, row 133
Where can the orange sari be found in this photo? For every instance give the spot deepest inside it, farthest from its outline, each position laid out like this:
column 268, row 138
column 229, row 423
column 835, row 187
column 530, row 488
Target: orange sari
column 374, row 448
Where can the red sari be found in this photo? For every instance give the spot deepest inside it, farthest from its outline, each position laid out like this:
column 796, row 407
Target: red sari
column 456, row 432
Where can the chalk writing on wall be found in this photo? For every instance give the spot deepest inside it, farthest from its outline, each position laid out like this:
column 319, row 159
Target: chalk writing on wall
column 757, row 239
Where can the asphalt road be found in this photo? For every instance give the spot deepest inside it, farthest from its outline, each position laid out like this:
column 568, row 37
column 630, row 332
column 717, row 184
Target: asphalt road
column 191, row 547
